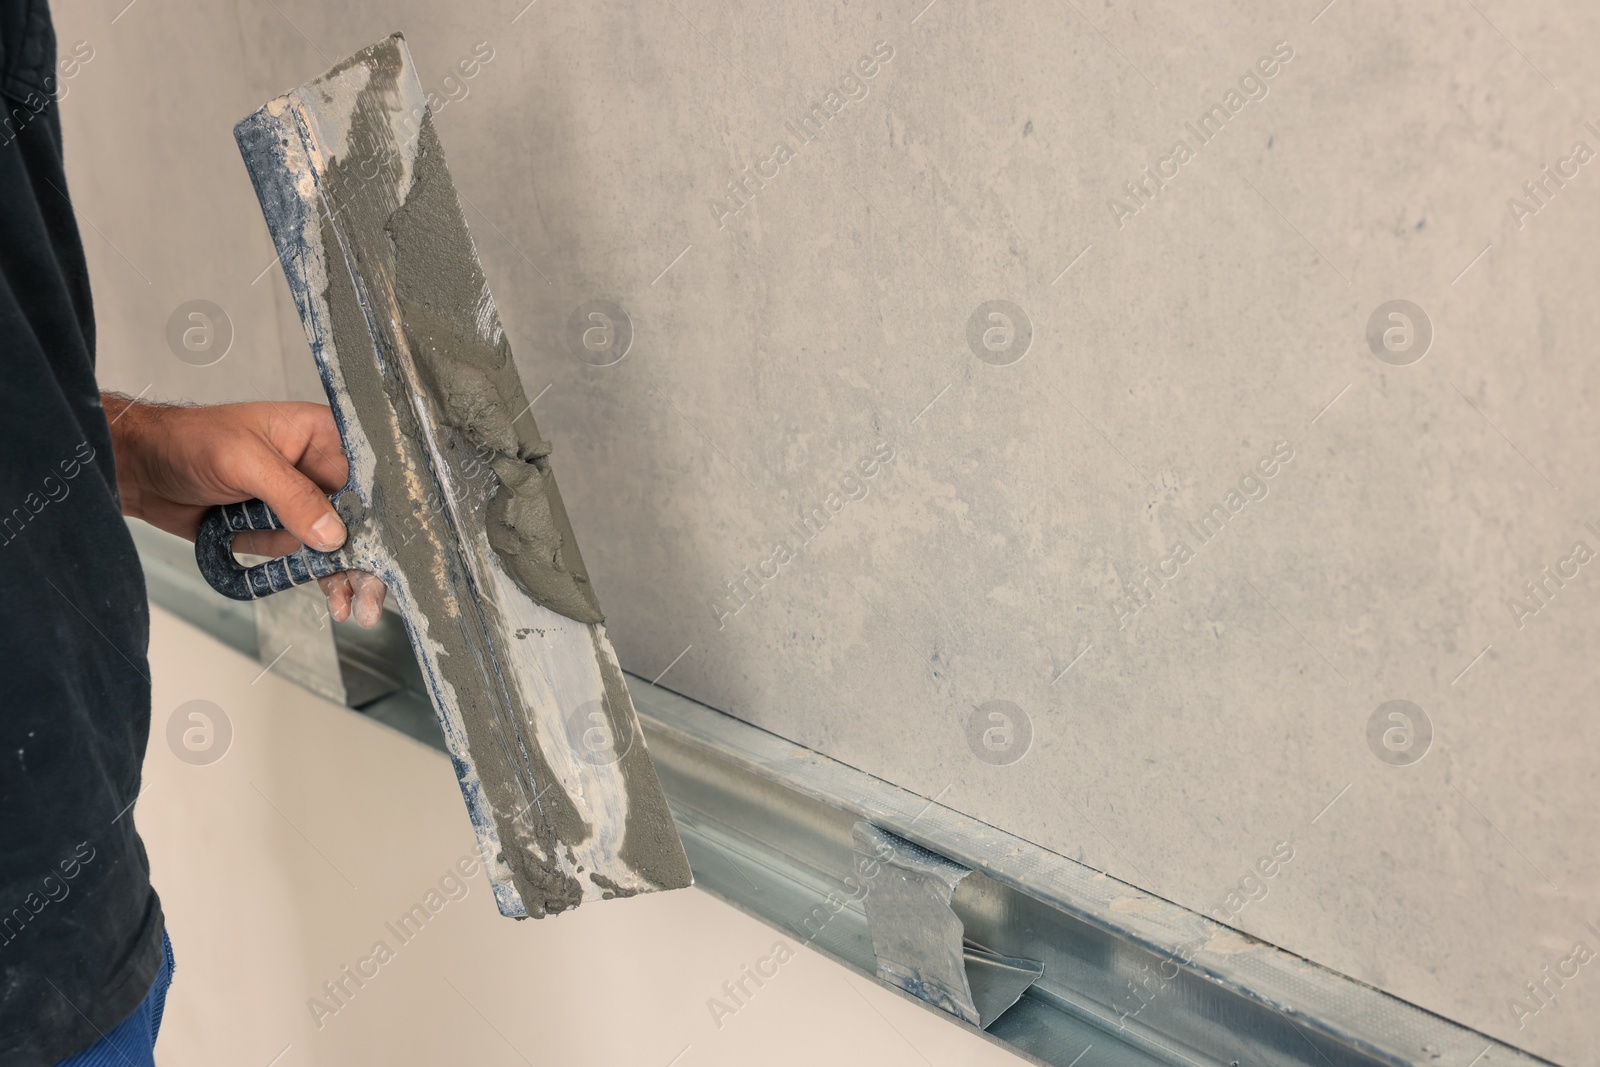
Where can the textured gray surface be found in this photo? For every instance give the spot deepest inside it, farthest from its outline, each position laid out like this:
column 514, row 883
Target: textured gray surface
column 771, row 356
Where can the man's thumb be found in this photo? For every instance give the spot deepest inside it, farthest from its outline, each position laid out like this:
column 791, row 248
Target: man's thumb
column 304, row 508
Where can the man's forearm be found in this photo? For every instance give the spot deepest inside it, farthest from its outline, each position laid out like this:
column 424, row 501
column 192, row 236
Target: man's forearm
column 126, row 417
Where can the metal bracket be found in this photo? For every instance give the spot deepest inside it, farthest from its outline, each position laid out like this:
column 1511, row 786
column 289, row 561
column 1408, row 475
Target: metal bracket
column 919, row 939
column 294, row 637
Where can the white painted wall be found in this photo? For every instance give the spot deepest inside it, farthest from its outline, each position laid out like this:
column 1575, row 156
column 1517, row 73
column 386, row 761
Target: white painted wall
column 1170, row 353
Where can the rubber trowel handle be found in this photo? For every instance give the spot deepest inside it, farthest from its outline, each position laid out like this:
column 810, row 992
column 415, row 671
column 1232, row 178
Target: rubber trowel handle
column 213, row 551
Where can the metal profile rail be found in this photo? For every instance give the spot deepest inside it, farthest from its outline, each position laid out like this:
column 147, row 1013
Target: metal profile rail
column 1144, row 981
column 1129, row 979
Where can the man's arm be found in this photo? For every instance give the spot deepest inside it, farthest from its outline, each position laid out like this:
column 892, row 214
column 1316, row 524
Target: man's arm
column 174, row 463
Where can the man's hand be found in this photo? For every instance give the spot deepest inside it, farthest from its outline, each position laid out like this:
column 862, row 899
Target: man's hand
column 174, row 463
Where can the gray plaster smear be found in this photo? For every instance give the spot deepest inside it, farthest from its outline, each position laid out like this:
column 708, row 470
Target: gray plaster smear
column 1178, row 348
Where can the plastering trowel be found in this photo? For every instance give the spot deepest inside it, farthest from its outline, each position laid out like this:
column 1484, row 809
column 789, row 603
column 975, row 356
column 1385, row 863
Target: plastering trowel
column 451, row 500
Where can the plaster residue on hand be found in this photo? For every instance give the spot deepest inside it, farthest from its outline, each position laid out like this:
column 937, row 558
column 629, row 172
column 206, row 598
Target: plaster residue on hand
column 461, row 353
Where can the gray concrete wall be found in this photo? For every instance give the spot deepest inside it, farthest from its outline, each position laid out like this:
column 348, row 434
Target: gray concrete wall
column 1175, row 345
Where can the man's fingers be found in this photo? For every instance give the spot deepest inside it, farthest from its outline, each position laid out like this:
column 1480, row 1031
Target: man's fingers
column 337, row 589
column 368, row 598
column 302, row 506
column 354, row 593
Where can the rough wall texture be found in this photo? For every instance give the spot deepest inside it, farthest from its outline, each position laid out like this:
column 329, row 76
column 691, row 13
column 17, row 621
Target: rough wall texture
column 1179, row 714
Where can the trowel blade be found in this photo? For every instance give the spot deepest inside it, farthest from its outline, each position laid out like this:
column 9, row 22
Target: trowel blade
column 451, row 500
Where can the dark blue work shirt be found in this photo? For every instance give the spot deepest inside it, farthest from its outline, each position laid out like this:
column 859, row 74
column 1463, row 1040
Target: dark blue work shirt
column 80, row 925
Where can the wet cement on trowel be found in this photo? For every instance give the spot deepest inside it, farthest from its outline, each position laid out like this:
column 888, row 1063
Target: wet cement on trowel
column 650, row 844
column 415, row 529
column 462, row 355
column 444, row 301
column 467, row 368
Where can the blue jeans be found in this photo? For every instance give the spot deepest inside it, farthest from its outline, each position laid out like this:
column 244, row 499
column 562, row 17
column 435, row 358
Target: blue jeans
column 133, row 1043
